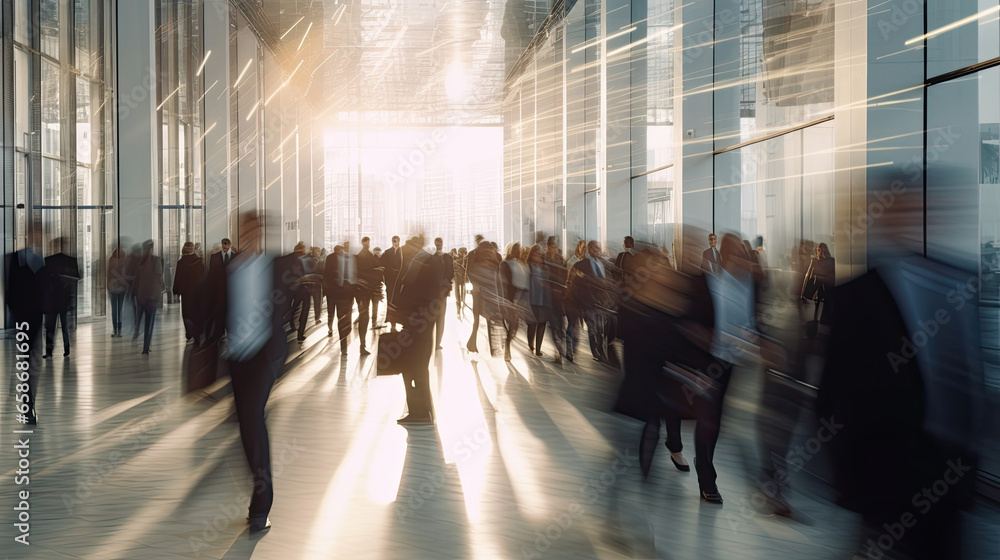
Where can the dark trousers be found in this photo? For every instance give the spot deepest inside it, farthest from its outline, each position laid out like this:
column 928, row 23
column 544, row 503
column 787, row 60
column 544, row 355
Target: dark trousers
column 300, row 298
column 317, row 297
column 117, row 303
column 596, row 322
column 438, row 309
column 416, row 375
column 50, row 329
column 148, row 309
column 364, row 304
column 708, row 417
column 304, row 316
column 189, row 314
column 34, row 332
column 339, row 304
column 252, row 382
column 573, row 322
column 477, row 308
column 459, row 296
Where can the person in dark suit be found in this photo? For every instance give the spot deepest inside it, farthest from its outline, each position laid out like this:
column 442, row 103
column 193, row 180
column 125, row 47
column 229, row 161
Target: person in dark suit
column 378, row 289
column 117, row 284
column 189, row 275
column 419, row 292
column 369, row 288
column 214, row 291
column 460, row 278
column 149, row 291
column 445, row 266
column 628, row 250
column 225, row 255
column 711, row 259
column 340, row 285
column 392, row 264
column 591, row 290
column 63, row 274
column 313, row 265
column 23, row 294
column 300, row 293
column 483, row 267
column 256, row 354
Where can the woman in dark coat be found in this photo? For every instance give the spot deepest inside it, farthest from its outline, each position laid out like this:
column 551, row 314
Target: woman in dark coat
column 190, row 272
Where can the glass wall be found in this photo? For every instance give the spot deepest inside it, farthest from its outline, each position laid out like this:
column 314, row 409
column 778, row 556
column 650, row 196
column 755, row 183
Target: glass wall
column 63, row 142
column 179, row 55
column 963, row 208
column 774, row 76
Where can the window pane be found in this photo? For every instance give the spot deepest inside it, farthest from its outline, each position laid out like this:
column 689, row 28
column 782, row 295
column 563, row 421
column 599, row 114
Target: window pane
column 975, row 40
column 48, row 12
column 774, row 66
column 83, row 122
column 51, row 197
column 50, row 109
column 83, row 36
column 782, row 190
column 21, row 21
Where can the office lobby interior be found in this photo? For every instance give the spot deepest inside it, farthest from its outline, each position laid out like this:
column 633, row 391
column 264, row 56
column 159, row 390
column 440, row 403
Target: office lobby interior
column 762, row 229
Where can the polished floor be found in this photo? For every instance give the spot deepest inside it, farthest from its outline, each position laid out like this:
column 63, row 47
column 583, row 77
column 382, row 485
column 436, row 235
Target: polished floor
column 526, row 461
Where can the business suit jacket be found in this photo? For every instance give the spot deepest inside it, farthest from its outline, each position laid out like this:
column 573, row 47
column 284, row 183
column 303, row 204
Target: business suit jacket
column 335, row 287
column 62, row 274
column 392, row 262
column 445, row 270
column 586, row 290
column 216, row 259
column 369, row 275
column 190, row 273
column 709, row 261
column 149, row 282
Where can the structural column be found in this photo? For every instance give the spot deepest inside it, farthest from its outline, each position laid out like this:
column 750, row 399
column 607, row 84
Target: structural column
column 136, row 93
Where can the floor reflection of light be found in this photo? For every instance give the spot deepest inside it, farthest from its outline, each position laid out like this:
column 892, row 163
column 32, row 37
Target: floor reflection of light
column 384, row 400
column 387, row 464
column 524, row 456
column 465, row 436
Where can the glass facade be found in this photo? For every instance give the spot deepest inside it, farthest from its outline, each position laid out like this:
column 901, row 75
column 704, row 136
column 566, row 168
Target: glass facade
column 63, row 138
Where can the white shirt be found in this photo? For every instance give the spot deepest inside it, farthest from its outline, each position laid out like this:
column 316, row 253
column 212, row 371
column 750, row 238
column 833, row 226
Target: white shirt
column 598, row 267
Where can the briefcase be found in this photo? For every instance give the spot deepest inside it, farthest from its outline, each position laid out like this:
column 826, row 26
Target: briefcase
column 203, row 366
column 390, row 358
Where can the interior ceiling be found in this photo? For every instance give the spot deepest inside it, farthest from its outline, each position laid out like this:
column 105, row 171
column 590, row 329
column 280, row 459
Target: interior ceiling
column 391, row 61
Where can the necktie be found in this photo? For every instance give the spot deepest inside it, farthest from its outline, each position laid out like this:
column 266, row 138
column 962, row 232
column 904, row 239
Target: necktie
column 598, row 269
column 225, row 258
column 717, row 257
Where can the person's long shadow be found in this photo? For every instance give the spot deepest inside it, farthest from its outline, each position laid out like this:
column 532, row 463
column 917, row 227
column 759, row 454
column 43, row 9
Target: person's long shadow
column 243, row 547
column 429, row 505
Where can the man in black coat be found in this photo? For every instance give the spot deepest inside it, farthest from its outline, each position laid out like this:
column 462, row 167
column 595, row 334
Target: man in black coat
column 214, row 291
column 483, row 268
column 369, row 287
column 591, row 292
column 23, row 295
column 340, row 283
column 60, row 296
column 190, row 273
column 445, row 271
column 419, row 293
column 392, row 265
